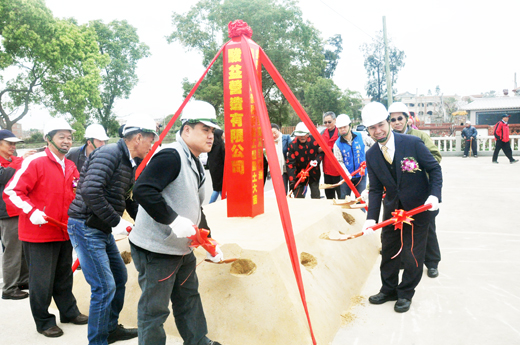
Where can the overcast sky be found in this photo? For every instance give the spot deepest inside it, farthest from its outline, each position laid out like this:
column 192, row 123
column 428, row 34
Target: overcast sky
column 464, row 47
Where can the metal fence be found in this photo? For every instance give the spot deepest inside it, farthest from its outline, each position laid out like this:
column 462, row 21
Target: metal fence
column 453, row 146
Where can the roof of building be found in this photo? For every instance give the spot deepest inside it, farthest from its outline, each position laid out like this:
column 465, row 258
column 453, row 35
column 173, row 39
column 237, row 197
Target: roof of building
column 493, row 103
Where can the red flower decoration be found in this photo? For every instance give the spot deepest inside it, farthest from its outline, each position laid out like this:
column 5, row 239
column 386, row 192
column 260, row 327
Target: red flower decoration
column 239, row 28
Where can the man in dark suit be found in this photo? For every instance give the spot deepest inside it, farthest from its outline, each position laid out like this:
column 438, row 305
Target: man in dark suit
column 405, row 168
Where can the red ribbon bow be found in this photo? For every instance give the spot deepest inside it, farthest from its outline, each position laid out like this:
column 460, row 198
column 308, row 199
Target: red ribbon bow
column 239, row 28
column 201, row 239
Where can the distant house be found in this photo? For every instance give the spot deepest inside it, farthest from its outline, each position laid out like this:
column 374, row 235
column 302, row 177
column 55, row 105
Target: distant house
column 488, row 111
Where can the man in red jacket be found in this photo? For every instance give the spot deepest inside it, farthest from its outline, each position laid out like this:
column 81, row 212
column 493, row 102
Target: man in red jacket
column 502, row 138
column 44, row 186
column 14, row 267
column 330, row 135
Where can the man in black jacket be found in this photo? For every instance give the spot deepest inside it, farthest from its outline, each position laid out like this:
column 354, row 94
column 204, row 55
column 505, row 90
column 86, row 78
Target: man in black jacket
column 405, row 168
column 103, row 193
column 469, row 134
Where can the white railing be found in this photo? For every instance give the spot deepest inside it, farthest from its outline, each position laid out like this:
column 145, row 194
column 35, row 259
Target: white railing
column 485, row 143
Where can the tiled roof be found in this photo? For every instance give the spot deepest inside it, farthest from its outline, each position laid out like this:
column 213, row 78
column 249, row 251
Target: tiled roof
column 493, row 103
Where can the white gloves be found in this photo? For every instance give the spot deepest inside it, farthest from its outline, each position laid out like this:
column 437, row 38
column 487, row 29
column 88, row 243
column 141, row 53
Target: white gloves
column 314, row 163
column 182, row 227
column 37, row 217
column 364, row 195
column 432, row 199
column 121, row 227
column 366, row 227
column 218, row 257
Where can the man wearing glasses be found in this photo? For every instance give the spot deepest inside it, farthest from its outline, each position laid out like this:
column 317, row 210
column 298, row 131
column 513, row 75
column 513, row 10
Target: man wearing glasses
column 330, row 135
column 399, row 121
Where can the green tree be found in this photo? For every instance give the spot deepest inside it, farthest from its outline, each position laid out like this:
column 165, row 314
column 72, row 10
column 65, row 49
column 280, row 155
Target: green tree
column 56, row 63
column 292, row 43
column 374, row 54
column 332, row 56
column 119, row 41
column 323, row 96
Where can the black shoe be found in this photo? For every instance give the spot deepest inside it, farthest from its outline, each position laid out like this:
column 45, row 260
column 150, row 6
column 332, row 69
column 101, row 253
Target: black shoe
column 464, row 156
column 514, row 161
column 121, row 333
column 494, row 162
column 433, row 272
column 52, row 332
column 78, row 320
column 402, row 305
column 24, row 286
column 211, row 342
column 16, row 294
column 381, row 298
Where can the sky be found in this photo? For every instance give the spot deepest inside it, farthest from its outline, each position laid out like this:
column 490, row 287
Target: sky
column 465, row 48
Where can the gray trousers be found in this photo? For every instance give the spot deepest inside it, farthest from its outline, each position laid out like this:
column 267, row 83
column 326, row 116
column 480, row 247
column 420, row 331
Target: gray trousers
column 14, row 267
column 180, row 289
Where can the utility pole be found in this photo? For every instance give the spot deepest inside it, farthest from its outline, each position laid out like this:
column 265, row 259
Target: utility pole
column 387, row 65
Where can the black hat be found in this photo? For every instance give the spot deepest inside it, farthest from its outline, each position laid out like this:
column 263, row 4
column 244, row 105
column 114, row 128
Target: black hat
column 506, row 115
column 8, row 136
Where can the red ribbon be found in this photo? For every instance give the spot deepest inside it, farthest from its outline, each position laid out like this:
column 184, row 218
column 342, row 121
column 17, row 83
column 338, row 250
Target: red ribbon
column 400, row 217
column 239, row 28
column 302, row 175
column 175, row 117
column 293, row 101
column 201, row 239
column 360, row 170
column 276, row 173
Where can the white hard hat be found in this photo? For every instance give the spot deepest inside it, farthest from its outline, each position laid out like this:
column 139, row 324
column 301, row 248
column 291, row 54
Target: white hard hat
column 200, row 111
column 342, row 121
column 142, row 123
column 301, row 130
column 398, row 107
column 96, row 131
column 468, row 121
column 372, row 113
column 57, row 124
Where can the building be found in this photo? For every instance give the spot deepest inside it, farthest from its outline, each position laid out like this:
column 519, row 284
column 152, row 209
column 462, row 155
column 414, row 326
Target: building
column 429, row 109
column 488, row 111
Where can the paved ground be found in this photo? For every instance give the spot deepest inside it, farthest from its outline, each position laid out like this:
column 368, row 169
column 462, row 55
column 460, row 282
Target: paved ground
column 475, row 300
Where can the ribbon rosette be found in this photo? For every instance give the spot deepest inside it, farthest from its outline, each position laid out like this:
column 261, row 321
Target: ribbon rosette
column 400, row 217
column 409, row 164
column 201, row 239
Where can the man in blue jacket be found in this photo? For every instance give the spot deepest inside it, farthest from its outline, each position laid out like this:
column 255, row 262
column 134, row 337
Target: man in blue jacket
column 402, row 166
column 349, row 150
column 469, row 134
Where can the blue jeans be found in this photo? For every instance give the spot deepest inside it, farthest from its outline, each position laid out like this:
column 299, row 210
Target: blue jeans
column 180, row 289
column 214, row 196
column 106, row 274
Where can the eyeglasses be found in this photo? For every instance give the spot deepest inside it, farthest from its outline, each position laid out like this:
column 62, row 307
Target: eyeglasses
column 400, row 118
column 326, row 122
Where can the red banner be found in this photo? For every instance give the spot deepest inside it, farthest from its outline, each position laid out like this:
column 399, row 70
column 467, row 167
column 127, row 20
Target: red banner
column 244, row 177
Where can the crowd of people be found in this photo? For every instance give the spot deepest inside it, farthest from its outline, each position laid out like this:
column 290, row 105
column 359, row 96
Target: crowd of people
column 90, row 187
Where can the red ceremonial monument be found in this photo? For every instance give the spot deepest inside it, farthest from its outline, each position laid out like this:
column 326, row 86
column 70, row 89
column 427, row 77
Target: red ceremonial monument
column 248, row 131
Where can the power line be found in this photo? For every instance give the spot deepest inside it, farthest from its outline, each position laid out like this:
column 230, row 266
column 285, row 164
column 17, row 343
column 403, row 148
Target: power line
column 339, row 14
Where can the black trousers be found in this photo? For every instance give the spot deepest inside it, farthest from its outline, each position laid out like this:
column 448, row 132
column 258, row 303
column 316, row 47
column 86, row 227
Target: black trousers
column 391, row 243
column 504, row 146
column 330, row 193
column 50, row 276
column 473, row 147
column 433, row 252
